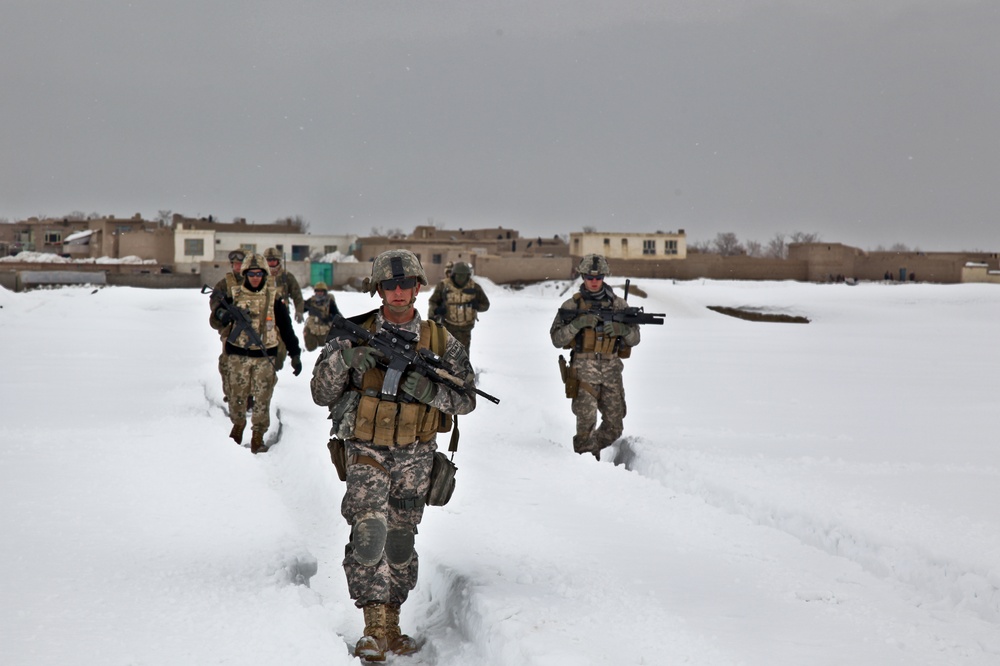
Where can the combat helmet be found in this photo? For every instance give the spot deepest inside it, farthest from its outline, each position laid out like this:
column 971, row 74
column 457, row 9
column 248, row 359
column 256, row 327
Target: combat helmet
column 320, row 286
column 252, row 261
column 272, row 253
column 593, row 264
column 394, row 264
column 461, row 268
column 237, row 255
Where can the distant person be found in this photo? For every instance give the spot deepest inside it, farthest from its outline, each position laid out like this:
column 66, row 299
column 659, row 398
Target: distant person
column 595, row 367
column 260, row 320
column 289, row 292
column 457, row 302
column 321, row 308
column 224, row 287
column 389, row 443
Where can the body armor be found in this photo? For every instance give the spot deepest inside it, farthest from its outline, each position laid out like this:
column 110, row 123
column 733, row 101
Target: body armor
column 387, row 422
column 260, row 305
column 459, row 303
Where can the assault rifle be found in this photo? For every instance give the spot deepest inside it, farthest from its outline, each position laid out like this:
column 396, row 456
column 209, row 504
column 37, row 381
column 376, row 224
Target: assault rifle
column 397, row 351
column 319, row 314
column 241, row 322
column 607, row 315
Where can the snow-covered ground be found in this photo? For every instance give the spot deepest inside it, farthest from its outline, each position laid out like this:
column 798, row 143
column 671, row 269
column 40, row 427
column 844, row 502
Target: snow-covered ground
column 785, row 494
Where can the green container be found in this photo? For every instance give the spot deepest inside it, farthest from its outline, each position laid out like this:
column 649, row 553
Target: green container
column 321, row 273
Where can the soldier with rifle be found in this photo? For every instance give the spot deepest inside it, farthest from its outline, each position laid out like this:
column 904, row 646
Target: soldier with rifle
column 600, row 329
column 222, row 289
column 321, row 308
column 253, row 320
column 379, row 375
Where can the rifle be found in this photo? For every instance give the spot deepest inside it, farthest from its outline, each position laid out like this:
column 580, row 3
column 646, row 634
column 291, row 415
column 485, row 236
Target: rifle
column 315, row 311
column 397, row 351
column 627, row 315
column 241, row 322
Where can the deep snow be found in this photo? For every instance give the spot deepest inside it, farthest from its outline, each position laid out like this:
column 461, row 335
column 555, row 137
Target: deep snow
column 785, row 494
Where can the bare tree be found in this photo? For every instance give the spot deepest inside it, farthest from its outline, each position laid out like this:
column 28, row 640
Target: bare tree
column 803, row 237
column 589, row 229
column 164, row 217
column 777, row 248
column 294, row 221
column 727, row 244
column 700, row 247
column 899, row 247
column 755, row 249
column 75, row 215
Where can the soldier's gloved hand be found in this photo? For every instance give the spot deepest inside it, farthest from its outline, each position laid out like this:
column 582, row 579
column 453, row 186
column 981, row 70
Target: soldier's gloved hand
column 419, row 387
column 296, row 365
column 474, row 304
column 298, row 317
column 585, row 321
column 441, row 310
column 222, row 314
column 359, row 358
column 616, row 328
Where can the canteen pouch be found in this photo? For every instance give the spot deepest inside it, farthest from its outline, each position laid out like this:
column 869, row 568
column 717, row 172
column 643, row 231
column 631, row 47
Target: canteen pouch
column 442, row 483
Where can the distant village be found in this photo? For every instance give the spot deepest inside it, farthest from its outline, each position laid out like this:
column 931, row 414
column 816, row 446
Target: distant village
column 177, row 251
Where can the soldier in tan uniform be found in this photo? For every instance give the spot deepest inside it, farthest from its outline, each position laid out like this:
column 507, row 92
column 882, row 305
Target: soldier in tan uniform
column 389, row 445
column 225, row 286
column 595, row 359
column 289, row 292
column 251, row 352
column 321, row 308
column 457, row 302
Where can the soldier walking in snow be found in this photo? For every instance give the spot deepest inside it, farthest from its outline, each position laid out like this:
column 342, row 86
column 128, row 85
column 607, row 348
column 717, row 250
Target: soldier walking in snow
column 253, row 320
column 321, row 308
column 289, row 292
column 595, row 370
column 224, row 287
column 457, row 302
column 389, row 443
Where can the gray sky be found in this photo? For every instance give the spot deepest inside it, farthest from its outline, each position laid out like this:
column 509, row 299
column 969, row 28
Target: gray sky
column 866, row 124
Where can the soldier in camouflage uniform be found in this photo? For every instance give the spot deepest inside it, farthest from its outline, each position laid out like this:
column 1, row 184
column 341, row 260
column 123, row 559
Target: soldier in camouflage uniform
column 249, row 367
column 225, row 286
column 457, row 302
column 321, row 308
column 389, row 446
column 595, row 359
column 289, row 292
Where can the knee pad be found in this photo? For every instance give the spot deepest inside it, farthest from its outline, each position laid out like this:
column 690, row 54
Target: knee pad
column 399, row 546
column 368, row 539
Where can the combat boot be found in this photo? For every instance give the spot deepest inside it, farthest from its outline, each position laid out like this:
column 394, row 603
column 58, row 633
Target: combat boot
column 237, row 432
column 372, row 646
column 257, row 444
column 399, row 642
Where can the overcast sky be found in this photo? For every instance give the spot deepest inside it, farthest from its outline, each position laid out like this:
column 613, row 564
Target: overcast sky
column 868, row 122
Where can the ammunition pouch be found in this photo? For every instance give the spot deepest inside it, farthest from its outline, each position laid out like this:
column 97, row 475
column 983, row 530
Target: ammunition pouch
column 442, row 483
column 570, row 380
column 624, row 351
column 338, row 456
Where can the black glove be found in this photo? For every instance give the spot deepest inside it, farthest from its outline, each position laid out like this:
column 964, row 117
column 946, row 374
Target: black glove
column 474, row 304
column 296, row 365
column 441, row 310
column 222, row 314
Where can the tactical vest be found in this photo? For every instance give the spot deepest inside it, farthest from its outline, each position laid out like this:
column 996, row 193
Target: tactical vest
column 315, row 324
column 460, row 311
column 588, row 340
column 231, row 282
column 260, row 305
column 386, row 422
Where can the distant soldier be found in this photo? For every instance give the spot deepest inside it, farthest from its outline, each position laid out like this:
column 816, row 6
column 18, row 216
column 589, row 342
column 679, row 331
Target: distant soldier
column 595, row 360
column 457, row 302
column 288, row 290
column 389, row 446
column 225, row 286
column 321, row 308
column 263, row 321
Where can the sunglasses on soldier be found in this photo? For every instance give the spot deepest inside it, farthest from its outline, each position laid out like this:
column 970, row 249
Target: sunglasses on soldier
column 255, row 273
column 593, row 277
column 402, row 283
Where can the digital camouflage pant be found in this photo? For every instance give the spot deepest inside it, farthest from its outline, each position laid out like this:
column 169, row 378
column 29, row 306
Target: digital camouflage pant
column 251, row 377
column 377, row 490
column 604, row 376
column 224, row 372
